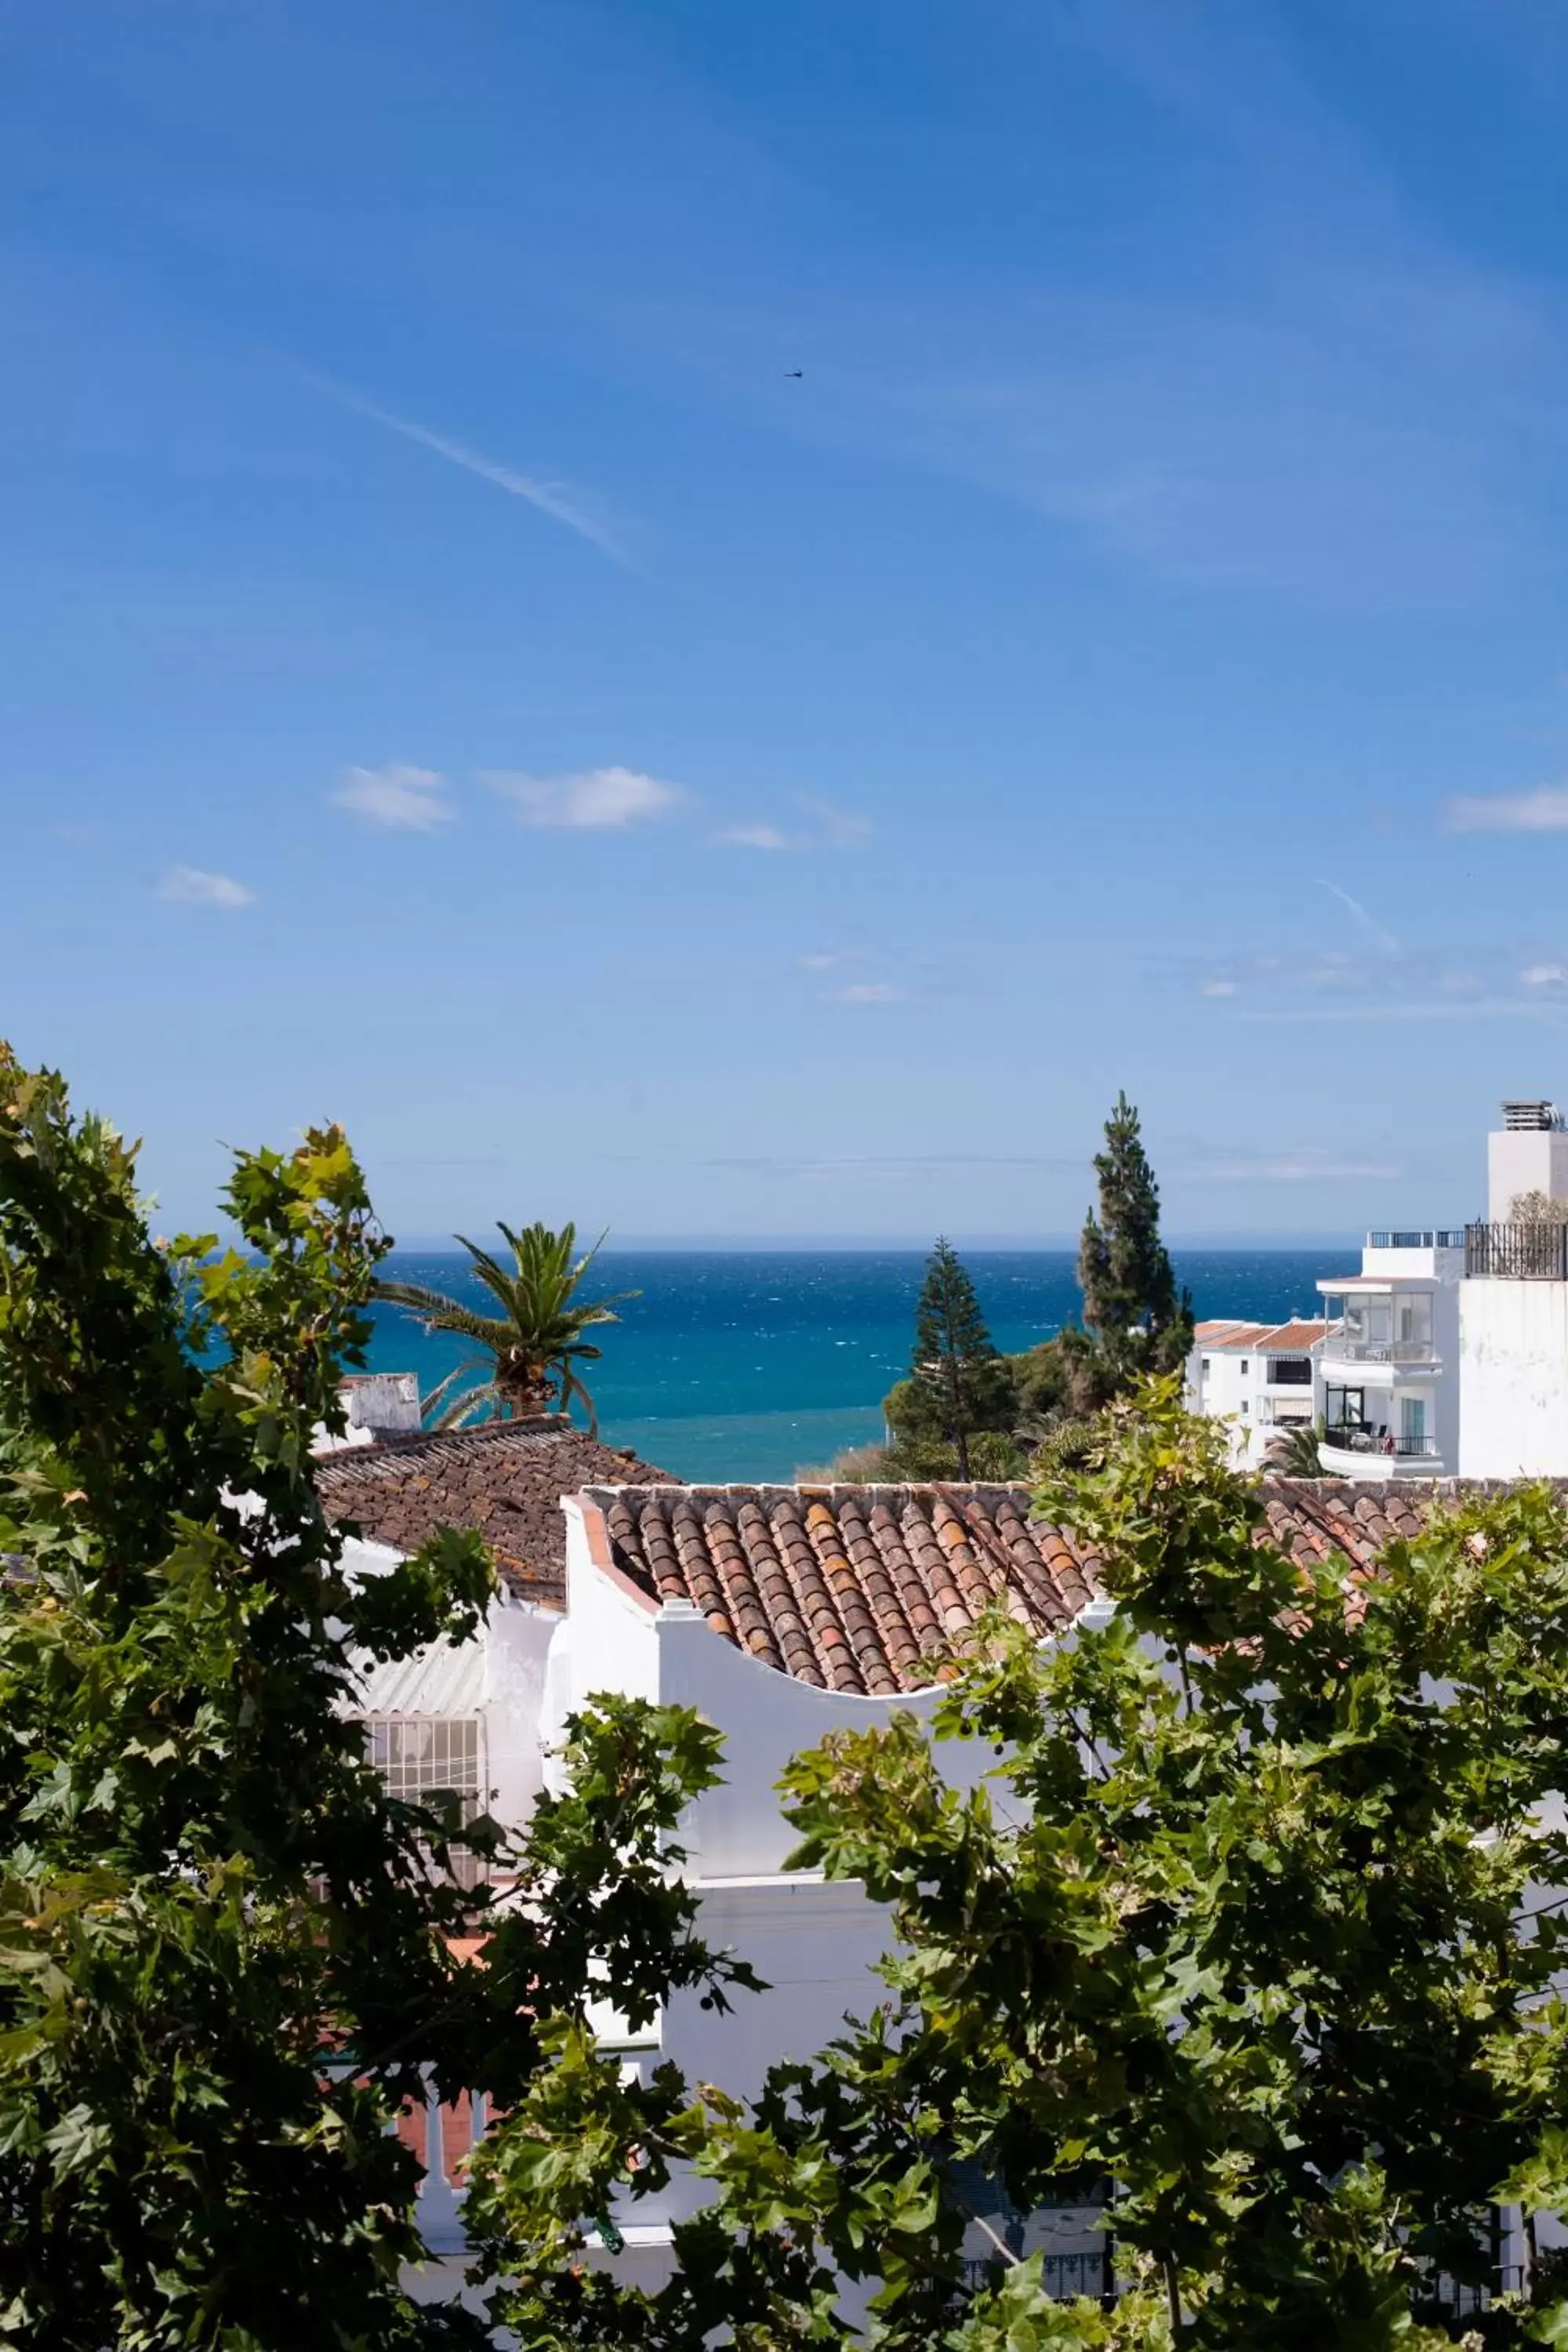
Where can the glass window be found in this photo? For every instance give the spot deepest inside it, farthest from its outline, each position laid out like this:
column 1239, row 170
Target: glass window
column 1415, row 1319
column 1244, row 1367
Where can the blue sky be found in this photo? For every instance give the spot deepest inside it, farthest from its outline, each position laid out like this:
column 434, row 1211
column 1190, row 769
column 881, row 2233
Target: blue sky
column 455, row 677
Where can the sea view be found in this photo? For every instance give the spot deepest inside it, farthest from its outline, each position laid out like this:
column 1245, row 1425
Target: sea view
column 747, row 1364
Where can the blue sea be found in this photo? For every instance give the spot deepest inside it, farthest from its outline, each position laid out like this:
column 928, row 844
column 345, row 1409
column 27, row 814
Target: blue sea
column 751, row 1364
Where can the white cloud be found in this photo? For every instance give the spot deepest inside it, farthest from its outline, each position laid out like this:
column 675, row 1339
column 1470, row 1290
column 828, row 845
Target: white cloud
column 838, row 828
column 557, row 500
column 597, row 799
column 194, row 887
column 1291, row 1168
column 1544, row 975
column 1218, row 986
column 1545, row 810
column 865, row 991
column 405, row 799
column 753, row 837
column 830, row 959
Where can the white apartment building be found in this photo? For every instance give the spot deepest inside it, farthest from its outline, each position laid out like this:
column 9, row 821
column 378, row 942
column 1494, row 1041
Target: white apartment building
column 1260, row 1376
column 1388, row 1393
column 1444, row 1355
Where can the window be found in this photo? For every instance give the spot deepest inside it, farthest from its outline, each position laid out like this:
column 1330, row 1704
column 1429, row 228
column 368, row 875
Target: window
column 1204, row 1364
column 1244, row 1367
column 1290, row 1372
column 417, row 1754
column 1244, row 1408
column 1415, row 1320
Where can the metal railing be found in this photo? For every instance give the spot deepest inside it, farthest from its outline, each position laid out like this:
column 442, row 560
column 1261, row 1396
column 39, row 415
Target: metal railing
column 1361, row 1437
column 1516, row 1253
column 1421, row 1237
column 1066, row 2275
column 1378, row 1351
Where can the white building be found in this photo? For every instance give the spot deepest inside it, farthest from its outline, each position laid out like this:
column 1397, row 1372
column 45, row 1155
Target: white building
column 1388, row 1393
column 1261, row 1377
column 1513, row 1305
column 780, row 1614
column 1447, row 1354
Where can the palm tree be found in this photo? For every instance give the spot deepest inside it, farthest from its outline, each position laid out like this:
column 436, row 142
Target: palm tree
column 1292, row 1452
column 530, row 1352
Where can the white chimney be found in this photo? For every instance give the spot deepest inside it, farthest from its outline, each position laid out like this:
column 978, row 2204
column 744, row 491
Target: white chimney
column 1528, row 1154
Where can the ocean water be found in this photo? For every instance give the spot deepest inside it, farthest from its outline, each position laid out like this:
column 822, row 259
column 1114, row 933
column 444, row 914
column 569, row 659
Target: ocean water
column 748, row 1364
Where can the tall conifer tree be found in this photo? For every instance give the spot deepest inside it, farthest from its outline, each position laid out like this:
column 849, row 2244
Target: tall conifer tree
column 956, row 1368
column 1131, row 1308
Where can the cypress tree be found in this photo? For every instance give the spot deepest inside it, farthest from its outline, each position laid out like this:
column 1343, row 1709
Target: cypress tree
column 1132, row 1308
column 957, row 1371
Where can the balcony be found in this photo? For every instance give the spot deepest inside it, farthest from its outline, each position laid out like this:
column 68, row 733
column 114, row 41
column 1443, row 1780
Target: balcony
column 1344, row 1350
column 1516, row 1253
column 1354, row 1450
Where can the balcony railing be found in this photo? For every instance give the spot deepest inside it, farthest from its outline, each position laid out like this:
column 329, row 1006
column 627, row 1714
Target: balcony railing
column 1378, row 1351
column 1422, row 1238
column 1516, row 1253
column 1361, row 1437
column 1065, row 2276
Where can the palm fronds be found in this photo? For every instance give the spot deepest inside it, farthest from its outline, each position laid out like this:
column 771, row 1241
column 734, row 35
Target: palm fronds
column 1292, row 1452
column 533, row 1349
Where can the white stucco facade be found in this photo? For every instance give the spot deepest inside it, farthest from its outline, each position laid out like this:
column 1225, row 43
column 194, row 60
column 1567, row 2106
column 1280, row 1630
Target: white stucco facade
column 1513, row 1371
column 1258, row 1378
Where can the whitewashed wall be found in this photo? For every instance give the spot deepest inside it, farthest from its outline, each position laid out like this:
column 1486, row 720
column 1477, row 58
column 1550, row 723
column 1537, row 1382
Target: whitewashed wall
column 1513, row 1377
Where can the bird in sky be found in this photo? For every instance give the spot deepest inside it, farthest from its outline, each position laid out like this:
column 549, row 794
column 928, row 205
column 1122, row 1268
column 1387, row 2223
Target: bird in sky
column 795, row 372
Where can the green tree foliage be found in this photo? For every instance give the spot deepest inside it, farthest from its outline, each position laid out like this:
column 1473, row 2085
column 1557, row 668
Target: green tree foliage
column 225, row 1954
column 959, row 1384
column 528, row 1353
column 1135, row 1320
column 1251, row 1918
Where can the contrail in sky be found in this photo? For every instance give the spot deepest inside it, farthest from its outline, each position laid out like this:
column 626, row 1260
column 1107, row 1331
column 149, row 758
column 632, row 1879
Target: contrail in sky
column 1384, row 941
column 550, row 498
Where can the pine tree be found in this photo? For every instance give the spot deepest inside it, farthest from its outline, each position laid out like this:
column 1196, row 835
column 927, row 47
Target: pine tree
column 1136, row 1319
column 957, row 1371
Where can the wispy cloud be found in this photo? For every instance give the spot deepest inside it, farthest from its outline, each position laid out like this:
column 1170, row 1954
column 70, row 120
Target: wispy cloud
column 838, row 828
column 560, row 500
column 751, row 836
column 830, row 959
column 865, row 991
column 403, row 798
column 1544, row 810
column 896, row 1166
column 828, row 826
column 1308, row 1165
column 192, row 886
column 597, row 800
column 1368, row 925
column 1446, row 1008
column 1544, row 975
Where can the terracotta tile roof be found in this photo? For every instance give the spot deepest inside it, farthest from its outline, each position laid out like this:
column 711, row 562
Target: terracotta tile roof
column 1296, row 1335
column 1215, row 1331
column 850, row 1587
column 876, row 1589
column 1261, row 1338
column 506, row 1478
column 1231, row 1334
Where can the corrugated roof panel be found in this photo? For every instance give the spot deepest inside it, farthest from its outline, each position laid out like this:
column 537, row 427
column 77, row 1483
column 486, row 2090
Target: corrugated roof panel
column 441, row 1680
